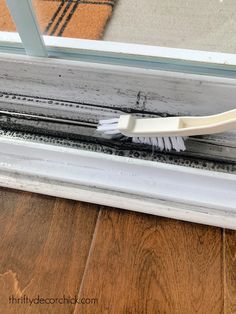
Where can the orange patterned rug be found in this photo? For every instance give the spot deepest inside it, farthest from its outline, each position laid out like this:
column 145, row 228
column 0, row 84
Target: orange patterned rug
column 67, row 18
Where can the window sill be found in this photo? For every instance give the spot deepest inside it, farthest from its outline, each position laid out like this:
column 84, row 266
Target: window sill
column 166, row 190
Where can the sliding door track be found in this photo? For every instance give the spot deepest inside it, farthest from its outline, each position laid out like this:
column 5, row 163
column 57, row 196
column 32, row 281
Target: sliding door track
column 49, row 111
column 74, row 124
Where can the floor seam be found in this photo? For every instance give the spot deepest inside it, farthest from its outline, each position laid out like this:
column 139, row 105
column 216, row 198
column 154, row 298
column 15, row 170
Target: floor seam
column 89, row 253
column 223, row 270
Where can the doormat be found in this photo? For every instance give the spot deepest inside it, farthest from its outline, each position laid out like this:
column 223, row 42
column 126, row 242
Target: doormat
column 67, row 18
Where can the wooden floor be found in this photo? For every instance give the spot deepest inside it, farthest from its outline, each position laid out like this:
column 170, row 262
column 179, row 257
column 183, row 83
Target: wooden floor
column 116, row 261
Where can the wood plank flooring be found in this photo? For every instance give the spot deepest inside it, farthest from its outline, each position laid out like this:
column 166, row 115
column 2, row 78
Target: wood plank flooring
column 58, row 250
column 230, row 270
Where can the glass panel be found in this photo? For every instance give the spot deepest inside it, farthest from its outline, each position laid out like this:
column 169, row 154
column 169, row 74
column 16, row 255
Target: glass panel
column 6, row 22
column 190, row 24
column 202, row 25
column 21, row 12
column 72, row 18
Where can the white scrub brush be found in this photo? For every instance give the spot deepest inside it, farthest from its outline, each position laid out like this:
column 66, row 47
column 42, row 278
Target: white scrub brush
column 167, row 133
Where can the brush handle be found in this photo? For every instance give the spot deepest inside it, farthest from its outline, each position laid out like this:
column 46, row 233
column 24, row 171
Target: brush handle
column 177, row 126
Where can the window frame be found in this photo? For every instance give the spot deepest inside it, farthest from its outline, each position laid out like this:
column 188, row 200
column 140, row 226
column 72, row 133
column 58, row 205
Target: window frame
column 29, row 40
column 23, row 15
column 50, row 169
column 43, row 168
column 132, row 55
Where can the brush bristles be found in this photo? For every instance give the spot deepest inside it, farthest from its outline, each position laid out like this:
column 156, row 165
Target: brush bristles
column 110, row 127
column 162, row 143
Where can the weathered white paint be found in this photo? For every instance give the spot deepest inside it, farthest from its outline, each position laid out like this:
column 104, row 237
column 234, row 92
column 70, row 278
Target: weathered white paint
column 117, row 86
column 159, row 189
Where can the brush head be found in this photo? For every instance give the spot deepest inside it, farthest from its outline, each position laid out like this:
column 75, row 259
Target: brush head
column 162, row 143
column 110, row 127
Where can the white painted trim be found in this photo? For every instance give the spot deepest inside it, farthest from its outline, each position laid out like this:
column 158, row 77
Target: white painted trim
column 119, row 200
column 150, row 187
column 138, row 50
column 123, row 50
column 27, row 26
column 10, row 38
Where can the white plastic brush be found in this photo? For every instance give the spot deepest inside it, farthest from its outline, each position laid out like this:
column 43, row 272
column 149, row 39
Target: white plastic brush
column 167, row 133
